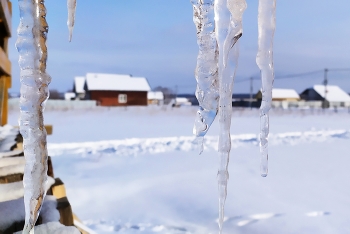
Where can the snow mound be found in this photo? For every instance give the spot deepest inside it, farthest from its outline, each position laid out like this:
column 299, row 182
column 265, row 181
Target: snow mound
column 139, row 146
column 54, row 228
column 101, row 226
column 13, row 211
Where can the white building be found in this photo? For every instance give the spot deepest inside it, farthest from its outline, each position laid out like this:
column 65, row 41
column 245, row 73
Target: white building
column 334, row 95
column 78, row 87
column 155, row 98
column 282, row 95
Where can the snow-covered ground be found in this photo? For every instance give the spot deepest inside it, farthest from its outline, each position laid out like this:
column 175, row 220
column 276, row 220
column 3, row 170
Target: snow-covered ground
column 136, row 170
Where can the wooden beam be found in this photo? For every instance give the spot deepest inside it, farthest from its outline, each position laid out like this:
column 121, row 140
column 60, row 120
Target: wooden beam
column 5, row 64
column 3, row 112
column 5, row 15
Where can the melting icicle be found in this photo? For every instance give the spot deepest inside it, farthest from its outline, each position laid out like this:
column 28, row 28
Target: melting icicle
column 264, row 59
column 206, row 73
column 228, row 23
column 71, row 5
column 31, row 45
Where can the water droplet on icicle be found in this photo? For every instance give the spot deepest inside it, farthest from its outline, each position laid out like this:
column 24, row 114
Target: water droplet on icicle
column 71, row 5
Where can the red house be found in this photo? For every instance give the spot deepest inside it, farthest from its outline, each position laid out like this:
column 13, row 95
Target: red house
column 116, row 90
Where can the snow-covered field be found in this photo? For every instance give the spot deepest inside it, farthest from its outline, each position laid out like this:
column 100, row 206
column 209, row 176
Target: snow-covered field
column 136, row 170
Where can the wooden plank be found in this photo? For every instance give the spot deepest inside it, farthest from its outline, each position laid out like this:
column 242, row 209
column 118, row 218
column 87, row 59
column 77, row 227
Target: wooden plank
column 6, row 15
column 5, row 64
column 65, row 209
column 3, row 90
column 11, row 178
column 58, row 189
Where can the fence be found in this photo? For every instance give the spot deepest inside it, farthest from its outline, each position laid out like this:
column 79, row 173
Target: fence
column 13, row 104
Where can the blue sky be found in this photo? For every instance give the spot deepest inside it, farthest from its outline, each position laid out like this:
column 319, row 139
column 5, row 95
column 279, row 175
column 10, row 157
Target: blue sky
column 156, row 39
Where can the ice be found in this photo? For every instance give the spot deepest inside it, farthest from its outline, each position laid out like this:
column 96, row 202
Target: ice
column 71, row 5
column 264, row 59
column 31, row 45
column 228, row 25
column 206, row 72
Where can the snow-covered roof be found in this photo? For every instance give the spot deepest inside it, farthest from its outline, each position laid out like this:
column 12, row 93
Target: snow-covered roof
column 284, row 93
column 79, row 82
column 157, row 95
column 334, row 93
column 96, row 81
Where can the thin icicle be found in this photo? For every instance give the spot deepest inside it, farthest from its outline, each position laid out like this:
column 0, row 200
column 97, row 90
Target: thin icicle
column 72, row 6
column 31, row 45
column 206, row 73
column 228, row 23
column 264, row 59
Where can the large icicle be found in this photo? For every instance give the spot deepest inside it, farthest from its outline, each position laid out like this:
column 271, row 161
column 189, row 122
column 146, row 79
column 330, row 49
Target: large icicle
column 71, row 5
column 31, row 45
column 206, row 72
column 264, row 59
column 228, row 23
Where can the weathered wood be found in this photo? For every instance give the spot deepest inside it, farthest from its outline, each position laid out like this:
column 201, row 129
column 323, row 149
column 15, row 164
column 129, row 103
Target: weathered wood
column 11, row 178
column 50, row 167
column 5, row 16
column 49, row 129
column 66, row 214
column 58, row 189
column 5, row 64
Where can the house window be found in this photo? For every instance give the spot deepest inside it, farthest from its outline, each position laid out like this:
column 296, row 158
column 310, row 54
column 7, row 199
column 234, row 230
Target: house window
column 122, row 98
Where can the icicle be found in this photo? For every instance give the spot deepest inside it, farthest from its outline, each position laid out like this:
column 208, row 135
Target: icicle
column 71, row 5
column 264, row 59
column 32, row 32
column 206, row 73
column 228, row 23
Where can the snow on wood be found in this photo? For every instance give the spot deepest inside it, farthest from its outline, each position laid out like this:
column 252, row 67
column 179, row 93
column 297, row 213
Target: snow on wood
column 15, row 190
column 12, row 169
column 8, row 136
column 11, row 161
column 10, row 153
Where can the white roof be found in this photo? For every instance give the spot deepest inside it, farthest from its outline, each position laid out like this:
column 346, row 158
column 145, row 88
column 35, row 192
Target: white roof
column 181, row 100
column 284, row 93
column 116, row 82
column 334, row 93
column 157, row 95
column 79, row 82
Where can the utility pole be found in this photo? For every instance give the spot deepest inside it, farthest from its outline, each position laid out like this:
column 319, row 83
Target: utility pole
column 325, row 83
column 251, row 92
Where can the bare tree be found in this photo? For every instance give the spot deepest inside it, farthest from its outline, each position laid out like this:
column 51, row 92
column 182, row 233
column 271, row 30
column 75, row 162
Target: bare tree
column 168, row 93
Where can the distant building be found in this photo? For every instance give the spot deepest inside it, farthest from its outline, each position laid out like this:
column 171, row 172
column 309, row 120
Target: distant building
column 190, row 97
column 155, row 98
column 181, row 101
column 78, row 87
column 282, row 95
column 69, row 96
column 334, row 95
column 116, row 90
